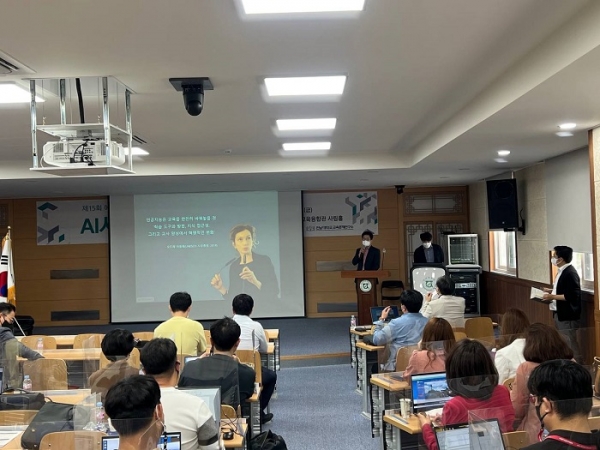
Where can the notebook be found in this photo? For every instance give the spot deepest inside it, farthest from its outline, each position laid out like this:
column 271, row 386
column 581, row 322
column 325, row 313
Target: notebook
column 429, row 391
column 377, row 310
column 480, row 435
column 172, row 441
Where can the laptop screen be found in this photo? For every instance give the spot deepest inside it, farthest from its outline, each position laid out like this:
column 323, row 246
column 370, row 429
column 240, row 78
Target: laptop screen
column 173, row 441
column 377, row 310
column 429, row 390
column 480, row 435
column 187, row 359
column 210, row 395
column 455, row 438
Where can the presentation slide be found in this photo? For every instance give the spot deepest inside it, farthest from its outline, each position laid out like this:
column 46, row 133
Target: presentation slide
column 212, row 245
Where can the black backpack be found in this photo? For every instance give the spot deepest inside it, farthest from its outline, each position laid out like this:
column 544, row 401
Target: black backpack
column 267, row 440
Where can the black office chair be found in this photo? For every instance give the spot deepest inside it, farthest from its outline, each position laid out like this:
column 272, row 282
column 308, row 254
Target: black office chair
column 391, row 298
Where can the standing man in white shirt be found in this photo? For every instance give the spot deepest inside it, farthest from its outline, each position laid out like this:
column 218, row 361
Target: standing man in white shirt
column 253, row 337
column 446, row 305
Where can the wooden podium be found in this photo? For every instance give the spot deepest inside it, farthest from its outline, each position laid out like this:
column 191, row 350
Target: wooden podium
column 366, row 291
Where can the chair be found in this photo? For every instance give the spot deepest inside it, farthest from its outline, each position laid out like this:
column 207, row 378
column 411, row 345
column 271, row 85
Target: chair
column 251, row 358
column 88, row 340
column 207, row 337
column 72, row 440
column 509, row 383
column 515, row 439
column 144, row 335
column 594, row 423
column 480, row 328
column 228, row 412
column 16, row 417
column 459, row 335
column 402, row 357
column 46, row 374
column 31, row 342
column 133, row 361
column 395, row 286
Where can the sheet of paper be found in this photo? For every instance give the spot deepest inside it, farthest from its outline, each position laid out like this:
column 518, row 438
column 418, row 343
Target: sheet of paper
column 536, row 293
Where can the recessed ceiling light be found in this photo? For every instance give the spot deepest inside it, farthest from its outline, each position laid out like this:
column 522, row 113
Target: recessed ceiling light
column 503, row 152
column 12, row 93
column 329, row 85
column 137, row 151
column 564, row 134
column 443, row 178
column 300, row 6
column 464, row 168
column 500, row 160
column 567, row 126
column 306, row 124
column 296, row 146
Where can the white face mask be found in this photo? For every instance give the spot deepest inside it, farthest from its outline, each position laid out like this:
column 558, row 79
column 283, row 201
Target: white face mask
column 554, row 261
column 426, row 244
column 366, row 243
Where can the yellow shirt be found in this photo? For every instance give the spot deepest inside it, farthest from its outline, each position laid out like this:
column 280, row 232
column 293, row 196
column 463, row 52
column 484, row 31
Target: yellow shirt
column 187, row 334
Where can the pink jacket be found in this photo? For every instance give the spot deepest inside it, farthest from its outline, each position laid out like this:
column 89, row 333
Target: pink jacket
column 419, row 362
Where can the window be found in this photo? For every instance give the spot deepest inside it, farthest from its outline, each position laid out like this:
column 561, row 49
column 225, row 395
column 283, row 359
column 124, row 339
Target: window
column 584, row 264
column 503, row 252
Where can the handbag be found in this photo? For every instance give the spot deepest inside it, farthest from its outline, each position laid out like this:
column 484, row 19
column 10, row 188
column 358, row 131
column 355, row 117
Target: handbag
column 18, row 399
column 267, row 440
column 52, row 418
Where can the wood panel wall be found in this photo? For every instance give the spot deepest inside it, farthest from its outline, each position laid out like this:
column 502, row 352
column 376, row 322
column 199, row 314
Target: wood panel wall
column 37, row 294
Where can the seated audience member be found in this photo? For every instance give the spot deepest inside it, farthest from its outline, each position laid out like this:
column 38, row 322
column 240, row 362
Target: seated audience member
column 446, row 305
column 195, row 421
column 116, row 345
column 542, row 343
column 401, row 331
column 253, row 337
column 563, row 400
column 473, row 380
column 513, row 326
column 10, row 348
column 133, row 406
column 187, row 333
column 222, row 368
column 437, row 341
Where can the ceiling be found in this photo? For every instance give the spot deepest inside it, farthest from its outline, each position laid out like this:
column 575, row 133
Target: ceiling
column 434, row 89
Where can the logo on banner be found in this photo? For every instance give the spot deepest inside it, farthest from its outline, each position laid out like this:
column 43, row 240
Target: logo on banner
column 429, row 284
column 47, row 235
column 364, row 208
column 365, row 286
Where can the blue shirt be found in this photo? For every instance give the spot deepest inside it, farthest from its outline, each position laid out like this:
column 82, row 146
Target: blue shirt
column 405, row 330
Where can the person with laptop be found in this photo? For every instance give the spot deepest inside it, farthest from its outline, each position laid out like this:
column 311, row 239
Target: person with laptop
column 134, row 408
column 445, row 305
column 195, row 421
column 253, row 337
column 562, row 392
column 405, row 330
column 188, row 334
column 473, row 380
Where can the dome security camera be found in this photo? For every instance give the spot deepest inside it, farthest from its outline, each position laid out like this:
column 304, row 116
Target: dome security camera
column 193, row 99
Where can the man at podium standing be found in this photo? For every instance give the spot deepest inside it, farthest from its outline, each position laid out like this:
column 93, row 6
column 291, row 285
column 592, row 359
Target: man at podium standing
column 367, row 257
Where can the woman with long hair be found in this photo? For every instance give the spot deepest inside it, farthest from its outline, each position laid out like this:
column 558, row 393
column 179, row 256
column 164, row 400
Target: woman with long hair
column 514, row 325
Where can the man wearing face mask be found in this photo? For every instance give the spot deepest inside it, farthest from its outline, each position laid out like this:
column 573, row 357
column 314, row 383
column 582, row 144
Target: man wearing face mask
column 133, row 405
column 367, row 257
column 565, row 298
column 428, row 252
column 195, row 421
column 562, row 391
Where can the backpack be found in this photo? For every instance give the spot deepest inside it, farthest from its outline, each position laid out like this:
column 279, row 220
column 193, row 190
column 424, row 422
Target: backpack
column 267, row 440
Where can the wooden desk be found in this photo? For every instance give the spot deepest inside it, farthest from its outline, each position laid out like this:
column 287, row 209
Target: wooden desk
column 367, row 356
column 69, row 396
column 268, row 359
column 73, row 354
column 273, row 335
column 354, row 338
column 386, row 393
column 62, row 340
column 255, row 425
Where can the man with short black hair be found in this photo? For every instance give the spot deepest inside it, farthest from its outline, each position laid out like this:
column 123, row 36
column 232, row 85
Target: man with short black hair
column 445, row 305
column 401, row 331
column 563, row 395
column 195, row 421
column 187, row 334
column 428, row 252
column 565, row 298
column 366, row 256
column 133, row 405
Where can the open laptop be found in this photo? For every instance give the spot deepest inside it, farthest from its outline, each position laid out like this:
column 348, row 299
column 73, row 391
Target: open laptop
column 429, row 391
column 480, row 435
column 210, row 395
column 172, row 441
column 187, row 359
column 377, row 310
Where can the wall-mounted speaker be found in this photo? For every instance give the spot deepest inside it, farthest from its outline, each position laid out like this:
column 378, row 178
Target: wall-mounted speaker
column 503, row 209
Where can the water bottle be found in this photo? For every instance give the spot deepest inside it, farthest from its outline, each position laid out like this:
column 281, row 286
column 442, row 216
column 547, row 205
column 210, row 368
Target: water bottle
column 40, row 346
column 352, row 322
column 27, row 385
column 100, row 425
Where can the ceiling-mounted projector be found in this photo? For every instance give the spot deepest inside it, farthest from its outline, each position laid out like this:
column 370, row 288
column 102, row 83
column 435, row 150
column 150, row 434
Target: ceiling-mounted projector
column 80, row 152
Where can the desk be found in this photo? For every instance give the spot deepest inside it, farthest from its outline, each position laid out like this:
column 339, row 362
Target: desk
column 367, row 356
column 385, row 398
column 72, row 354
column 62, row 340
column 268, row 359
column 354, row 338
column 255, row 425
column 392, row 440
column 69, row 396
column 273, row 335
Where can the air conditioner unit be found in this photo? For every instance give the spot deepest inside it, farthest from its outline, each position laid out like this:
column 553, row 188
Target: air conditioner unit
column 79, row 152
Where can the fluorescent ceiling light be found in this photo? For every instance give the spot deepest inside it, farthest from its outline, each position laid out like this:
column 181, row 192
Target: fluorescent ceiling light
column 301, row 6
column 137, row 151
column 500, row 160
column 564, row 134
column 296, row 146
column 12, row 93
column 503, row 152
column 330, row 85
column 567, row 126
column 306, row 124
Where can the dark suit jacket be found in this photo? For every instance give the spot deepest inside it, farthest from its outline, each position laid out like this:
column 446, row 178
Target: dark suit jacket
column 438, row 254
column 569, row 285
column 373, row 259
